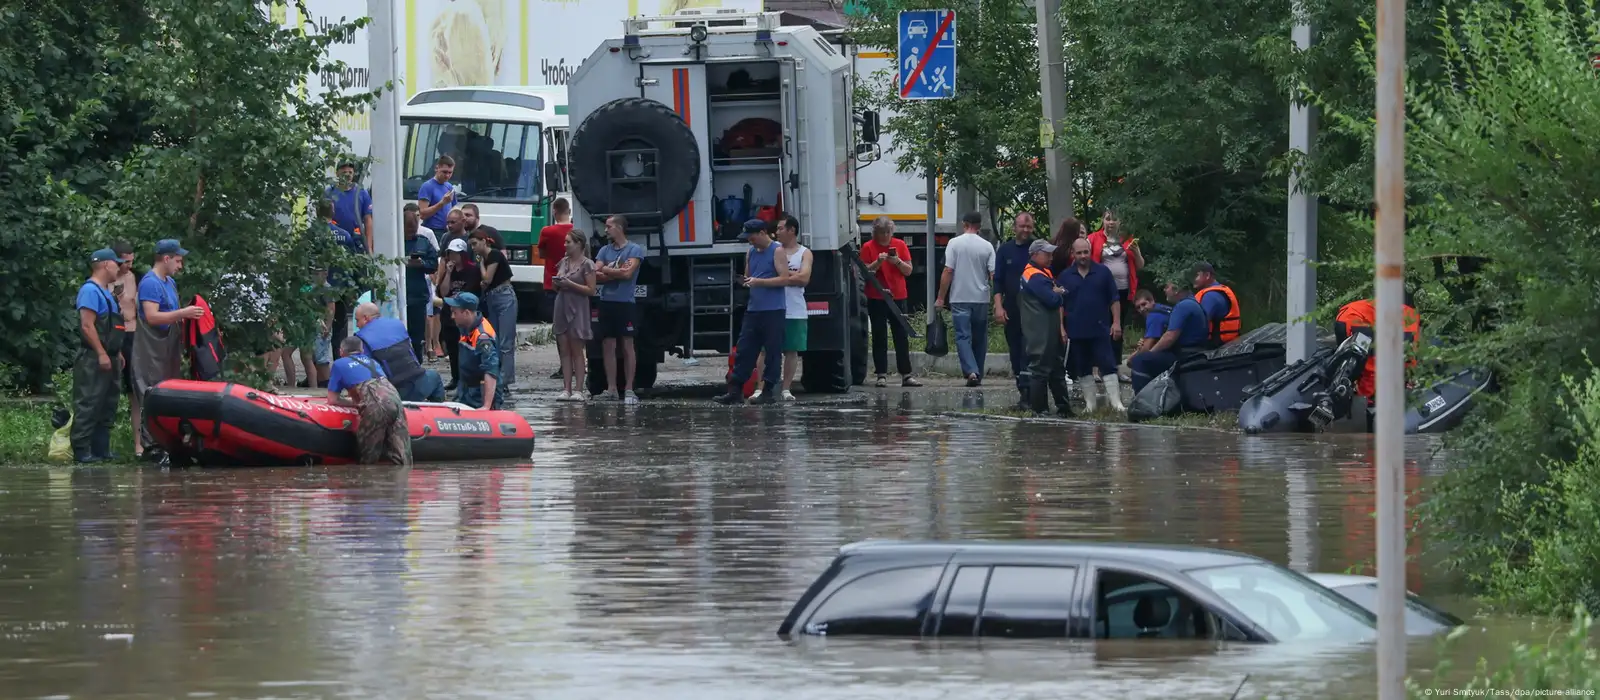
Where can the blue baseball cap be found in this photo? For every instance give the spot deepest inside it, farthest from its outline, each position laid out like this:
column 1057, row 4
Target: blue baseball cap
column 103, row 255
column 752, row 226
column 463, row 300
column 170, row 246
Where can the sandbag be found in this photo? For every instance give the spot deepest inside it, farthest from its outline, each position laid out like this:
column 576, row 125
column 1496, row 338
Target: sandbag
column 1161, row 397
column 61, row 439
column 938, row 336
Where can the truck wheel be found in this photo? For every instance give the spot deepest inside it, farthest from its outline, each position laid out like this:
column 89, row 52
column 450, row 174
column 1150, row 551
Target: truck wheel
column 644, row 369
column 824, row 373
column 634, row 123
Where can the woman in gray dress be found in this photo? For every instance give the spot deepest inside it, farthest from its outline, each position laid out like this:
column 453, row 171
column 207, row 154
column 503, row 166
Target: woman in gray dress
column 575, row 284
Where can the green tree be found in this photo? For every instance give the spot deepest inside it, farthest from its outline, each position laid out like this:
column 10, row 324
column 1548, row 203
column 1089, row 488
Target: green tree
column 986, row 136
column 149, row 119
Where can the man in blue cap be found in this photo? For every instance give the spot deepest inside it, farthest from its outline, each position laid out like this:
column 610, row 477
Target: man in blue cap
column 480, row 357
column 158, row 345
column 385, row 340
column 766, row 274
column 95, row 373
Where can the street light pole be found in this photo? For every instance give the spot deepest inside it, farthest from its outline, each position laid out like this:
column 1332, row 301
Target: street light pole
column 1302, row 338
column 1389, row 258
column 1053, row 98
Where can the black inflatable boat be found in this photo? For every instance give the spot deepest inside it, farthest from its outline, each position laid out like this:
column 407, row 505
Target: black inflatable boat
column 1216, row 380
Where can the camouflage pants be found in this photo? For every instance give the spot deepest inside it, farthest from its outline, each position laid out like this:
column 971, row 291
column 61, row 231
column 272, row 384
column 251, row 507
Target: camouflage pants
column 382, row 435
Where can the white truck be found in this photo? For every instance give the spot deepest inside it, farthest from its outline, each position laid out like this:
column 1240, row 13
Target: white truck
column 688, row 125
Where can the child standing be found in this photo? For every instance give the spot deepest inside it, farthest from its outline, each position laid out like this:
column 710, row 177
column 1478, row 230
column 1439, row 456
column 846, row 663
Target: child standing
column 574, row 284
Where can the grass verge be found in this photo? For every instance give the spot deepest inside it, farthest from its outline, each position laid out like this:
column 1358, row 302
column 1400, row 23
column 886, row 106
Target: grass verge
column 25, row 433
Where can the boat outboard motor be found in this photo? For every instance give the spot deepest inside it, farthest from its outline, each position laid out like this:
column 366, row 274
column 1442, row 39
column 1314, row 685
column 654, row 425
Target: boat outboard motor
column 1308, row 395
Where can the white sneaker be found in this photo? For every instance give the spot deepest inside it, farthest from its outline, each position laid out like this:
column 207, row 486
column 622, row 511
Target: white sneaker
column 631, row 399
column 788, row 396
column 564, row 396
column 755, row 395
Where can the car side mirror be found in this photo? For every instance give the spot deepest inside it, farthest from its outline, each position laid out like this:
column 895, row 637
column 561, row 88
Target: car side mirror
column 552, row 176
column 869, row 126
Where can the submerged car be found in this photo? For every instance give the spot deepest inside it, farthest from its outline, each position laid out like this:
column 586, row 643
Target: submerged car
column 1421, row 618
column 1077, row 590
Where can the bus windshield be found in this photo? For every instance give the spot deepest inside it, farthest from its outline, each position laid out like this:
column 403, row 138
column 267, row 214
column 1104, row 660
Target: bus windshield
column 495, row 161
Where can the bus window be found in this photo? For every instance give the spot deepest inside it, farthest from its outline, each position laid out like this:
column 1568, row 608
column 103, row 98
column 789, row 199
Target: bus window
column 495, row 161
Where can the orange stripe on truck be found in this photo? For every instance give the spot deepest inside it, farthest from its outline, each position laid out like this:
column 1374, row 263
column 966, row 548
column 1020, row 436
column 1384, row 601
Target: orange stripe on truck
column 680, row 104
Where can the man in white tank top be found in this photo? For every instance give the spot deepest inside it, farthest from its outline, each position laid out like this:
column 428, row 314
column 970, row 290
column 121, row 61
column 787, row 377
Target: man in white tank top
column 787, row 231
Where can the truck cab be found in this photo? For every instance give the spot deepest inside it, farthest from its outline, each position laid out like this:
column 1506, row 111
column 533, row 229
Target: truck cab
column 690, row 124
column 509, row 145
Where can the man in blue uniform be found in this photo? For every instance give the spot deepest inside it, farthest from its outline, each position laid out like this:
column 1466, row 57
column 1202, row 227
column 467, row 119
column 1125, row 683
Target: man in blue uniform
column 386, row 341
column 1155, row 320
column 95, row 373
column 383, row 434
column 1094, row 321
column 1009, row 261
column 1187, row 331
column 480, row 355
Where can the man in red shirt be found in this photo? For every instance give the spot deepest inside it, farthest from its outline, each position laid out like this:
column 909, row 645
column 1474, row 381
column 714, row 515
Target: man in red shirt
column 552, row 248
column 889, row 260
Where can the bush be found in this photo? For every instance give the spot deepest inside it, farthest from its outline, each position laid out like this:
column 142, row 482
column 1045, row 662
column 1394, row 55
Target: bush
column 1502, row 146
column 1567, row 663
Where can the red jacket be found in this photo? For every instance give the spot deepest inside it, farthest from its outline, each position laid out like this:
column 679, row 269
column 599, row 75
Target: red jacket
column 1097, row 241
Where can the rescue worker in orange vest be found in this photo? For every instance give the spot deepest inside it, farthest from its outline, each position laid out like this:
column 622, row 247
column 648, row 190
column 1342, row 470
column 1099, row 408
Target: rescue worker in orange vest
column 1361, row 316
column 1221, row 306
column 1040, row 299
column 481, row 384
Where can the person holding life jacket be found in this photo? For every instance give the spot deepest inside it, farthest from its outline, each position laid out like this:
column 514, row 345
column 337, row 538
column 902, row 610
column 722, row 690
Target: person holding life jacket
column 1221, row 306
column 158, row 345
column 382, row 435
column 1361, row 316
column 1039, row 299
column 95, row 372
column 481, row 385
column 387, row 341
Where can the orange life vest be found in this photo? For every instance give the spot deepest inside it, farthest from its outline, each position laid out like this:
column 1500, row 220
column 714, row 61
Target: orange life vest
column 1361, row 315
column 1029, row 271
column 1225, row 329
column 484, row 329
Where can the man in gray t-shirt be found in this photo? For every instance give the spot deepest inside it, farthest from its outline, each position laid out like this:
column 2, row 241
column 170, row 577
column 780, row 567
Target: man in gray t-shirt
column 617, row 270
column 968, row 267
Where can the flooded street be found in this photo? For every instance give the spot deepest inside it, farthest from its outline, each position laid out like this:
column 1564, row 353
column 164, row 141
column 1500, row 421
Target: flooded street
column 652, row 553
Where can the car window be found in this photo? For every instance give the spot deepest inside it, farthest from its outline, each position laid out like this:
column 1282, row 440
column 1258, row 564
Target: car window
column 1131, row 606
column 1027, row 601
column 892, row 602
column 960, row 614
column 1289, row 606
column 1420, row 617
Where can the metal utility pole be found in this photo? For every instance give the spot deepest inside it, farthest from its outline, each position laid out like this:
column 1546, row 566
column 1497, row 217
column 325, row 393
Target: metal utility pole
column 1302, row 340
column 1389, row 256
column 1053, row 97
column 929, row 238
column 386, row 239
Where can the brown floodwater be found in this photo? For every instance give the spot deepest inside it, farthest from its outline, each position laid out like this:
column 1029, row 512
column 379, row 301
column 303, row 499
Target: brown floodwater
column 653, row 552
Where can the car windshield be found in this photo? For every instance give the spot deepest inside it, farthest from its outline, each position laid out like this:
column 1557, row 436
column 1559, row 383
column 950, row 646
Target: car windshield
column 1420, row 617
column 494, row 160
column 1288, row 606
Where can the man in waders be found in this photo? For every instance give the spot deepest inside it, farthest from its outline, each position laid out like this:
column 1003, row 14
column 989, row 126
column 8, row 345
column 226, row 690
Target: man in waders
column 386, row 341
column 382, row 435
column 480, row 355
column 158, row 345
column 94, row 374
column 1040, row 302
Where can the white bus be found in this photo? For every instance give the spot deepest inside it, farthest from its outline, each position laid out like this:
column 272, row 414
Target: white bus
column 510, row 148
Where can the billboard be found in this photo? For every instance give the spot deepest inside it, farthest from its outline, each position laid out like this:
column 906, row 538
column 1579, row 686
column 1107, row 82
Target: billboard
column 450, row 43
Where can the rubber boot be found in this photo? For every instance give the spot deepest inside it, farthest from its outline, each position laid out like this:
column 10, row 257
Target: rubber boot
column 1114, row 392
column 100, row 445
column 1063, row 396
column 769, row 395
column 1038, row 396
column 1091, row 393
column 734, row 396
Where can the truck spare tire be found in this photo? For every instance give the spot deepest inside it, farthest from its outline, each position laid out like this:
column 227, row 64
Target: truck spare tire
column 633, row 123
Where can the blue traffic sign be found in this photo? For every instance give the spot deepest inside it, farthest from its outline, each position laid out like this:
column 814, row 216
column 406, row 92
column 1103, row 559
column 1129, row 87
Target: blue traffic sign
column 927, row 55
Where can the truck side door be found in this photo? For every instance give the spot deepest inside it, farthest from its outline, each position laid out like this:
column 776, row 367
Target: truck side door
column 682, row 87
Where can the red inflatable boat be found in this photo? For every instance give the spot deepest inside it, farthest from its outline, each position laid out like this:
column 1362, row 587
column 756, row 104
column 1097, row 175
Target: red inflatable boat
column 222, row 423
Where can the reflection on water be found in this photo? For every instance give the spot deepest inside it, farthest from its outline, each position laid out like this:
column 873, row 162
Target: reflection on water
column 651, row 551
